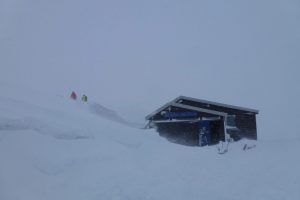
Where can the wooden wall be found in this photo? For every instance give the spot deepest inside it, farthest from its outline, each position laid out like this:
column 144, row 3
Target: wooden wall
column 247, row 125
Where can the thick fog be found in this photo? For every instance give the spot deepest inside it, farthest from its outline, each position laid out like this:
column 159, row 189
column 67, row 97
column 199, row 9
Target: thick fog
column 134, row 56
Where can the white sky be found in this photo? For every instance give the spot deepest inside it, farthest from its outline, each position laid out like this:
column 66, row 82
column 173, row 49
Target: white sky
column 136, row 55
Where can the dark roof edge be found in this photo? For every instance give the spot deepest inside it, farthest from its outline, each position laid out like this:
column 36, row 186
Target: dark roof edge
column 218, row 104
column 173, row 103
column 213, row 112
column 202, row 109
column 161, row 108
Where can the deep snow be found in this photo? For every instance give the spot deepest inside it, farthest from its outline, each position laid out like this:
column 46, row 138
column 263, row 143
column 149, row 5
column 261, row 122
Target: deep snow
column 52, row 147
column 132, row 57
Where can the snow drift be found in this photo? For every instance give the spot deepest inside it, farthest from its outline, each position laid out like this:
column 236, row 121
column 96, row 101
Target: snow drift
column 55, row 148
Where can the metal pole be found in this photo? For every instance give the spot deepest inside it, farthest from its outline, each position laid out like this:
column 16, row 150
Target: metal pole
column 226, row 135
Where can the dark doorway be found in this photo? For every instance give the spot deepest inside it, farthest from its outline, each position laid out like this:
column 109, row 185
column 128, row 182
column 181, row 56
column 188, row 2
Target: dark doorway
column 216, row 131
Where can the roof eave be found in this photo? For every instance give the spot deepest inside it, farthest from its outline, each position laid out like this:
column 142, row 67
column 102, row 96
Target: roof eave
column 161, row 108
column 219, row 104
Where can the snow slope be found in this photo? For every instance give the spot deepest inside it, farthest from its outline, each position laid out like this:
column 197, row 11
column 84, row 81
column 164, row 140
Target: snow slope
column 54, row 148
column 133, row 56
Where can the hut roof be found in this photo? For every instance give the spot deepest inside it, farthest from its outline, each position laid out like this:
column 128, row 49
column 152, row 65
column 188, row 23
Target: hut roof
column 177, row 103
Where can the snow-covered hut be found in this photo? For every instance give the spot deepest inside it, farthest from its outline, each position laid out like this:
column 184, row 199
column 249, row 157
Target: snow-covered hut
column 200, row 122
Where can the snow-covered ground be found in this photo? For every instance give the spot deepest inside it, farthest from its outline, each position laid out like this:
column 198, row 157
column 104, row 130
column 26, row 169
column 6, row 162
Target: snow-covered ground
column 129, row 58
column 52, row 147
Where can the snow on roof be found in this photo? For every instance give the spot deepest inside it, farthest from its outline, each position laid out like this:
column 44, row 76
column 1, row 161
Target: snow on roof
column 176, row 104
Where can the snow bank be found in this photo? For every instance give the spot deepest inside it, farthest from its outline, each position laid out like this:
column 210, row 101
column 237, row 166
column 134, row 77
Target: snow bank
column 55, row 148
